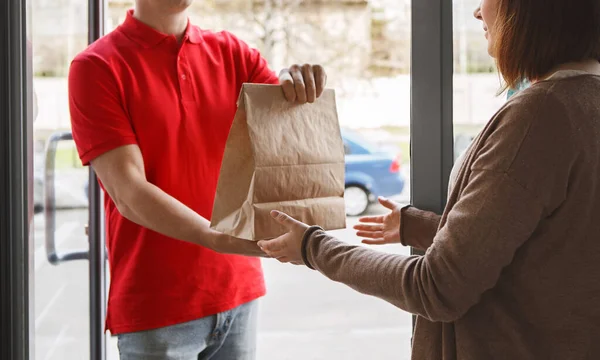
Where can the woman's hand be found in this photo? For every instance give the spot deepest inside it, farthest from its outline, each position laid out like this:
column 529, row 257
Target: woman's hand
column 382, row 229
column 287, row 247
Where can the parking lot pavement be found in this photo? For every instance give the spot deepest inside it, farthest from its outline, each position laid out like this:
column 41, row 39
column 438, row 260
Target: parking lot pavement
column 304, row 315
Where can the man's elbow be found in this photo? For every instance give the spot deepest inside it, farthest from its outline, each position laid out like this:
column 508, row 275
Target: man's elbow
column 125, row 210
column 124, row 200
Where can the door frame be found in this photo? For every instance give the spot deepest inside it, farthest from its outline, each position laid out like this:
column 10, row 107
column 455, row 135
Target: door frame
column 97, row 242
column 16, row 187
column 431, row 124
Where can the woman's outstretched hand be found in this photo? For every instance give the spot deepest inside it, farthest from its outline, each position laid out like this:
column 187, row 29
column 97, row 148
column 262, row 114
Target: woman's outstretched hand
column 381, row 229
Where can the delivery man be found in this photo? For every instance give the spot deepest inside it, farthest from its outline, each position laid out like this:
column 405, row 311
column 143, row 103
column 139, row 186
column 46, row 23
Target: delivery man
column 151, row 106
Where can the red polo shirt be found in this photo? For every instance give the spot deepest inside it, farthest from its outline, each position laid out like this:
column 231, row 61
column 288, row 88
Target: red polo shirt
column 176, row 102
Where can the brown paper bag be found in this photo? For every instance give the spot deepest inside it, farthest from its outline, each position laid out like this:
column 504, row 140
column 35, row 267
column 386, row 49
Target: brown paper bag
column 280, row 156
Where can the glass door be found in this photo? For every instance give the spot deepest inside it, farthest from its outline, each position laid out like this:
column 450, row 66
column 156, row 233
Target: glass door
column 70, row 256
column 65, row 252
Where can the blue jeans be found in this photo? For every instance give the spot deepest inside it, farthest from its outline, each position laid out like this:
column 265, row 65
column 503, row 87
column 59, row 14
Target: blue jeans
column 230, row 335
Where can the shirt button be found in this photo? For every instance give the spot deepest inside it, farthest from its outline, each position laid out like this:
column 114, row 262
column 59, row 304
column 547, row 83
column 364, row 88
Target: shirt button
column 183, row 77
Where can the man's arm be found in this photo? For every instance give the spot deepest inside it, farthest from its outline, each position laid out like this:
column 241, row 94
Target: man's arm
column 122, row 173
column 105, row 139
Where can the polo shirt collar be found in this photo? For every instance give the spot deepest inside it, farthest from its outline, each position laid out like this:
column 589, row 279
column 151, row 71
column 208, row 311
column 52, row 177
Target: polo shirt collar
column 149, row 37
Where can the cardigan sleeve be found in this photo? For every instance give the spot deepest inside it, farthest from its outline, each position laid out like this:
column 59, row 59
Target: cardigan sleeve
column 418, row 227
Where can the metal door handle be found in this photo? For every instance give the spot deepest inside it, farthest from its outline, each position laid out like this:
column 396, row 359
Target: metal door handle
column 50, row 202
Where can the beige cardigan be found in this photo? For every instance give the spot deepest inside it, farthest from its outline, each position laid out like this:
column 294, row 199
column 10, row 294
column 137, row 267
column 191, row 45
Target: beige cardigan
column 512, row 268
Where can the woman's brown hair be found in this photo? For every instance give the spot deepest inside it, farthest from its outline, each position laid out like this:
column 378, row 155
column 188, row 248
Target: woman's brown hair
column 535, row 36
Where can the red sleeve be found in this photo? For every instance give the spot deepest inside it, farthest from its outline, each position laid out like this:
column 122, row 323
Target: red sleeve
column 259, row 70
column 98, row 118
column 254, row 65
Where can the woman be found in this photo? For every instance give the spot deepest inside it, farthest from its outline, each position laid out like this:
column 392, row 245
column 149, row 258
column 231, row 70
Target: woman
column 512, row 267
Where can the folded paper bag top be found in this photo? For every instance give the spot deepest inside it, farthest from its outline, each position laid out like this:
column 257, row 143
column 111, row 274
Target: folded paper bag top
column 283, row 156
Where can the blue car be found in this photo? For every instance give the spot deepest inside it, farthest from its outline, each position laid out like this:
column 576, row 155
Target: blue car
column 370, row 172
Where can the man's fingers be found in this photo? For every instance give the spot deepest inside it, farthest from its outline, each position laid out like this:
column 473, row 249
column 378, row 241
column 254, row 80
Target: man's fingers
column 299, row 87
column 387, row 203
column 320, row 79
column 309, row 81
column 287, row 84
column 368, row 227
column 303, row 84
column 370, row 234
column 371, row 219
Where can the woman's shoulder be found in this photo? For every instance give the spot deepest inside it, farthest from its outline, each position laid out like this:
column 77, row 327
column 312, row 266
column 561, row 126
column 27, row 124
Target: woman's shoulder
column 548, row 105
column 554, row 105
column 537, row 122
